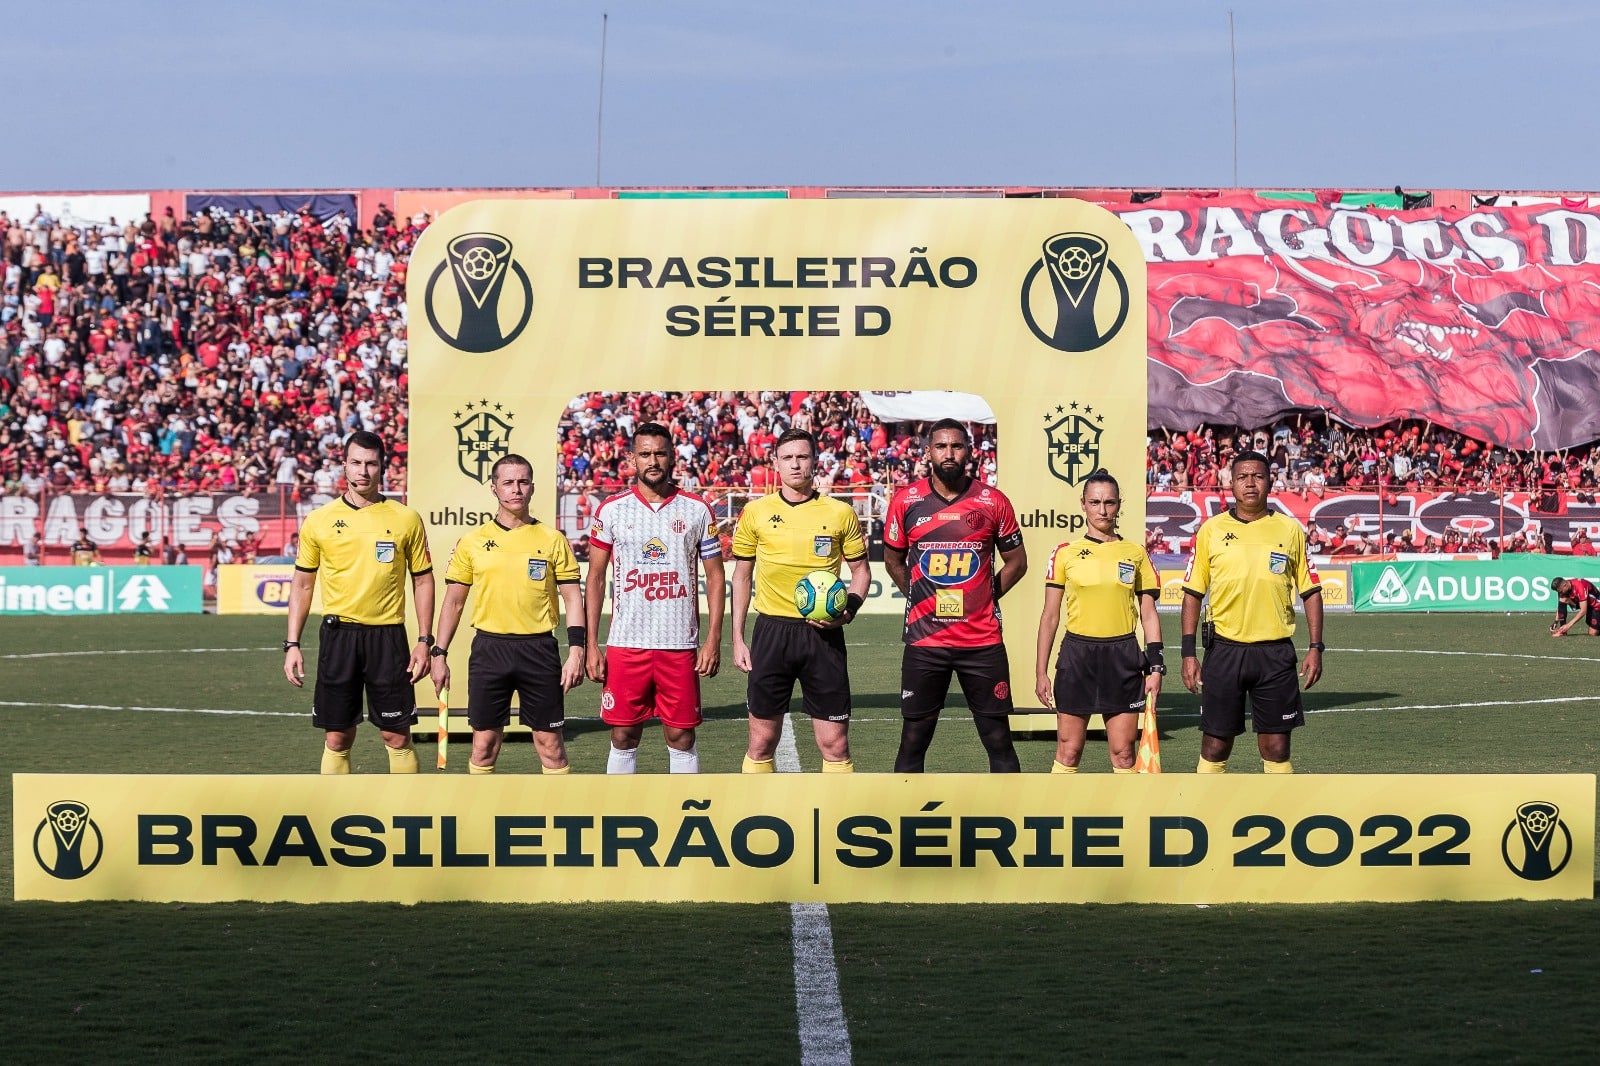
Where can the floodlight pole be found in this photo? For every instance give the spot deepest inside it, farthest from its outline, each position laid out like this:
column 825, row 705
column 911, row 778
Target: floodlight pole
column 1233, row 74
column 600, row 105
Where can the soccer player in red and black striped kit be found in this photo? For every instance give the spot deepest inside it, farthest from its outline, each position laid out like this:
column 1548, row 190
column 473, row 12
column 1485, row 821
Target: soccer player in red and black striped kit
column 1575, row 592
column 939, row 543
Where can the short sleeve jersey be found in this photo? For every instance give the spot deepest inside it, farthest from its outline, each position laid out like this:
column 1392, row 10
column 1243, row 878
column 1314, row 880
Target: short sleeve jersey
column 1587, row 595
column 949, row 546
column 514, row 574
column 362, row 556
column 655, row 550
column 1252, row 571
column 789, row 540
column 1101, row 582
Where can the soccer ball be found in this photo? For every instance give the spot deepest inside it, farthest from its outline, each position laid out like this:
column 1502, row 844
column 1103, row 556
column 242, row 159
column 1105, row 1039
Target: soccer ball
column 820, row 596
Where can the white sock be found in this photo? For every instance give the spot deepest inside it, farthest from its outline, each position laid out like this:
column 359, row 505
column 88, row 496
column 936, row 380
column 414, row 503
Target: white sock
column 622, row 761
column 684, row 762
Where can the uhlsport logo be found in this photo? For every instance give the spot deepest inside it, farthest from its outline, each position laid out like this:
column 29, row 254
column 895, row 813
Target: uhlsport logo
column 1072, row 441
column 1530, row 846
column 63, row 846
column 482, row 437
column 486, row 313
column 1061, row 294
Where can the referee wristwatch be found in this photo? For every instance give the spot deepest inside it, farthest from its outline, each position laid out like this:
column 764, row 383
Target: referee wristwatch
column 1316, row 645
column 438, row 652
column 290, row 644
column 1155, row 668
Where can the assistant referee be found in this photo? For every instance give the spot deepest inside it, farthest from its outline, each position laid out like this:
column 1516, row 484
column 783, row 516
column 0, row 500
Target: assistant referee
column 362, row 545
column 1251, row 560
column 516, row 567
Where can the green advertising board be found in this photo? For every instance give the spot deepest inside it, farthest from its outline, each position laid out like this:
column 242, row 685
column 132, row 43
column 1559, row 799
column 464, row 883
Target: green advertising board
column 100, row 589
column 1509, row 583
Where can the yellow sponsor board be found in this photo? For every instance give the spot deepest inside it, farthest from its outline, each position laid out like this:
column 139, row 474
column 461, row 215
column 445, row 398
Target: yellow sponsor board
column 1335, row 586
column 1039, row 306
column 264, row 589
column 953, row 838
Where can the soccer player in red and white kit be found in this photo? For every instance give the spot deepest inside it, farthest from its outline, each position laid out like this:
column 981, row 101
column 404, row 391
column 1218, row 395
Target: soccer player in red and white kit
column 938, row 546
column 1575, row 592
column 649, row 543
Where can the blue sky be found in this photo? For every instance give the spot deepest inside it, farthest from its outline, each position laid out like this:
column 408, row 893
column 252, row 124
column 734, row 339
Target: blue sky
column 503, row 92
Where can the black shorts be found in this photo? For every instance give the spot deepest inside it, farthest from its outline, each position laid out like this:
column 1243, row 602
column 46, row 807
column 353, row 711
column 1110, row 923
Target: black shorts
column 1099, row 675
column 984, row 673
column 786, row 650
column 1266, row 671
column 355, row 658
column 530, row 666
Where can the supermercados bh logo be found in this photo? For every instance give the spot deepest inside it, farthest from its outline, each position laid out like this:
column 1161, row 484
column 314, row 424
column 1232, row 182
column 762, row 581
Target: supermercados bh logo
column 1537, row 843
column 483, row 435
column 481, row 312
column 1072, row 441
column 1063, row 300
column 67, row 843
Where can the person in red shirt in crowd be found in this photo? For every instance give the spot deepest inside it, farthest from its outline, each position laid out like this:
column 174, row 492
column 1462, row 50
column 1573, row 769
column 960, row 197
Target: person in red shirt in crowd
column 1581, row 544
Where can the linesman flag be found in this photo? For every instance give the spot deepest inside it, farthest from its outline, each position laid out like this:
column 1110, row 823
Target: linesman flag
column 1148, row 760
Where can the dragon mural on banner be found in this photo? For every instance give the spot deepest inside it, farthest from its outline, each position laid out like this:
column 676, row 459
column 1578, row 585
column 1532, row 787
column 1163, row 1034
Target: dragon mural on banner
column 1486, row 322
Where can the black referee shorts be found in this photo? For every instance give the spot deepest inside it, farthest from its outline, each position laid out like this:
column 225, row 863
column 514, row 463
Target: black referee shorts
column 1264, row 671
column 352, row 659
column 984, row 673
column 786, row 650
column 1099, row 675
column 530, row 666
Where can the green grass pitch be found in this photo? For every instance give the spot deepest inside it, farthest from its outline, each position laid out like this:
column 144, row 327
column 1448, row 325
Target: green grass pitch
column 464, row 982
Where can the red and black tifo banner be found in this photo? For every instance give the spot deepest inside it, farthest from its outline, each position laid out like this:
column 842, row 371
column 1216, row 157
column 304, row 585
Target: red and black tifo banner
column 1484, row 321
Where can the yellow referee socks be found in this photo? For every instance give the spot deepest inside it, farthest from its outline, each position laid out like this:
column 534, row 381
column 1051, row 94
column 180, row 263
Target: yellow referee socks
column 1059, row 767
column 1208, row 767
column 335, row 762
column 846, row 767
column 474, row 769
column 403, row 760
column 757, row 766
column 1123, row 770
column 1284, row 767
column 555, row 771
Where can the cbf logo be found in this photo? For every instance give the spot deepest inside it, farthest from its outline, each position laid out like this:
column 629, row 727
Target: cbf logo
column 1072, row 442
column 67, row 843
column 1062, row 301
column 482, row 437
column 482, row 313
column 1530, row 846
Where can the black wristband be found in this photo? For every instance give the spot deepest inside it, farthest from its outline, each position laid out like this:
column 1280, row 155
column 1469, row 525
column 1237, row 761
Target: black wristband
column 1152, row 654
column 577, row 637
column 1187, row 644
column 852, row 604
column 428, row 640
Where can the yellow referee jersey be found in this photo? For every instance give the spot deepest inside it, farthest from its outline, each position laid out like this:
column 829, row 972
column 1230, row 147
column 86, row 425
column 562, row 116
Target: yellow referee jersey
column 1252, row 571
column 513, row 574
column 362, row 556
column 1101, row 582
column 789, row 540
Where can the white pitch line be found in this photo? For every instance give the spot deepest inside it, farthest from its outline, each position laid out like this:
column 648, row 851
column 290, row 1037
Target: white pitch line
column 162, row 710
column 1384, row 708
column 125, row 651
column 1476, row 654
column 824, row 1036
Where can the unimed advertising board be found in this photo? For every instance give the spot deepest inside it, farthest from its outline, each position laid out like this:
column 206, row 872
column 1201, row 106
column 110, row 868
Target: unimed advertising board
column 81, row 590
column 1038, row 306
column 1175, row 838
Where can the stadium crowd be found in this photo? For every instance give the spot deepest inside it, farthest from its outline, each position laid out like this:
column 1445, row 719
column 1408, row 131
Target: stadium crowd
column 223, row 351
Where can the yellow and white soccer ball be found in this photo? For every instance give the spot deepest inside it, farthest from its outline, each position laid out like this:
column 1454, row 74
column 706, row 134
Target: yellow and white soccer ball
column 820, row 596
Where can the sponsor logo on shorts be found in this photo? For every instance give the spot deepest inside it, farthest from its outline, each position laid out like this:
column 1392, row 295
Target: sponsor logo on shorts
column 1002, row 690
column 607, row 700
column 822, row 547
column 1125, row 573
column 385, row 551
column 1278, row 563
column 536, row 569
column 906, row 693
column 845, row 717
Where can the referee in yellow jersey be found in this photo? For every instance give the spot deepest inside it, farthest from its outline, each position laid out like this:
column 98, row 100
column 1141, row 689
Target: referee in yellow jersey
column 1251, row 560
column 779, row 539
column 1110, row 589
column 516, row 567
column 362, row 545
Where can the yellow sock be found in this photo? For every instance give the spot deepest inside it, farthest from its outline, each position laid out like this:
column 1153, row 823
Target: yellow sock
column 846, row 767
column 1270, row 767
column 403, row 760
column 1208, row 767
column 474, row 768
column 335, row 762
column 757, row 766
column 1123, row 770
column 555, row 771
column 1059, row 767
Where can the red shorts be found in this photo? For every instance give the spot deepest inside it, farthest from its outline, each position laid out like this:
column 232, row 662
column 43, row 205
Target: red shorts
column 642, row 684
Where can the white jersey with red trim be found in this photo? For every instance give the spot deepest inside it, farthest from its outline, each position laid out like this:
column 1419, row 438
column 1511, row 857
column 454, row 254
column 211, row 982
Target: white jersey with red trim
column 655, row 567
